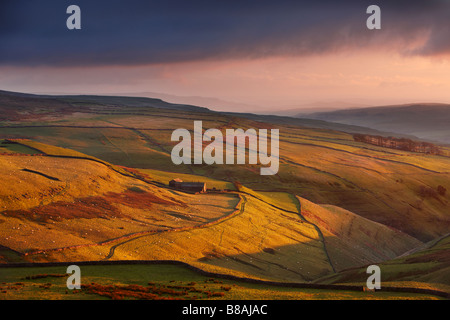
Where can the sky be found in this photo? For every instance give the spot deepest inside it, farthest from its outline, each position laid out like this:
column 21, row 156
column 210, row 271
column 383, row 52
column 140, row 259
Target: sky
column 269, row 54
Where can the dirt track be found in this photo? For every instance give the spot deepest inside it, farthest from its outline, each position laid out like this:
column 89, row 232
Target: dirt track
column 133, row 236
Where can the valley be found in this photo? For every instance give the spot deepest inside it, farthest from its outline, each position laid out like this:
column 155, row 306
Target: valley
column 86, row 179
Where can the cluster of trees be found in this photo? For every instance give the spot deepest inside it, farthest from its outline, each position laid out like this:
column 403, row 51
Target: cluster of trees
column 399, row 143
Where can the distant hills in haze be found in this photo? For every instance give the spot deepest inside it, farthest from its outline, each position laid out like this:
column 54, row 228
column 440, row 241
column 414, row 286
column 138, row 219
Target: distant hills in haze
column 14, row 103
column 305, row 109
column 211, row 103
column 428, row 121
column 218, row 104
column 424, row 121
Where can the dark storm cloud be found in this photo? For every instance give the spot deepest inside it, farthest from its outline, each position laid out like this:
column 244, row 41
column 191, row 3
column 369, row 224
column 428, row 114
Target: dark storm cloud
column 144, row 32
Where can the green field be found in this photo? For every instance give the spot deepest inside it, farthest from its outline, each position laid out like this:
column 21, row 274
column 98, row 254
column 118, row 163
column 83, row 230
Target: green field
column 96, row 188
column 123, row 281
column 15, row 148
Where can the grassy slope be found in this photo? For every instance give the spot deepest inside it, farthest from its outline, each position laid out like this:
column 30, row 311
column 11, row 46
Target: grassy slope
column 349, row 239
column 353, row 240
column 89, row 203
column 429, row 267
column 268, row 239
column 257, row 241
column 320, row 165
column 64, row 152
column 14, row 285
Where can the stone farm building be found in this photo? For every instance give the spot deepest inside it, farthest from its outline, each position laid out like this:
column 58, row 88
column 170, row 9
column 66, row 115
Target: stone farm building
column 188, row 186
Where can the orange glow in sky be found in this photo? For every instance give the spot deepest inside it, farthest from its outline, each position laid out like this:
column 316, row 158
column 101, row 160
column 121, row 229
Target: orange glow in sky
column 277, row 82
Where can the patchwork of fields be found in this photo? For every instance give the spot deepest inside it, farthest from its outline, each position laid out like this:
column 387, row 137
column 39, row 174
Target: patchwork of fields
column 92, row 185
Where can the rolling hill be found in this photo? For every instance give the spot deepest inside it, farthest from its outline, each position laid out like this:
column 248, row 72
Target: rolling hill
column 426, row 121
column 426, row 267
column 95, row 212
column 86, row 179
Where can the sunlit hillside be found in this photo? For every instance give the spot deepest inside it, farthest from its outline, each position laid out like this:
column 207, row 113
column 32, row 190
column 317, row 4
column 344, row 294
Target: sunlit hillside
column 87, row 179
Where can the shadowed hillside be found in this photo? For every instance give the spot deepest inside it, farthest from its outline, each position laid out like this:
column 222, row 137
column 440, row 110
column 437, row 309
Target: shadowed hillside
column 429, row 266
column 426, row 121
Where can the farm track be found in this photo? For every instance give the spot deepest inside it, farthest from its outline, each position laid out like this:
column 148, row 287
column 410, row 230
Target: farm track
column 137, row 235
column 242, row 202
column 134, row 236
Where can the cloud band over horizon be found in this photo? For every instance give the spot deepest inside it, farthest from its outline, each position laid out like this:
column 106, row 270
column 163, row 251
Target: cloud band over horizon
column 125, row 33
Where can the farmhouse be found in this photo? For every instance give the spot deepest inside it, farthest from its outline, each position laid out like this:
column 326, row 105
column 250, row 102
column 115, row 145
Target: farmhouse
column 187, row 186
